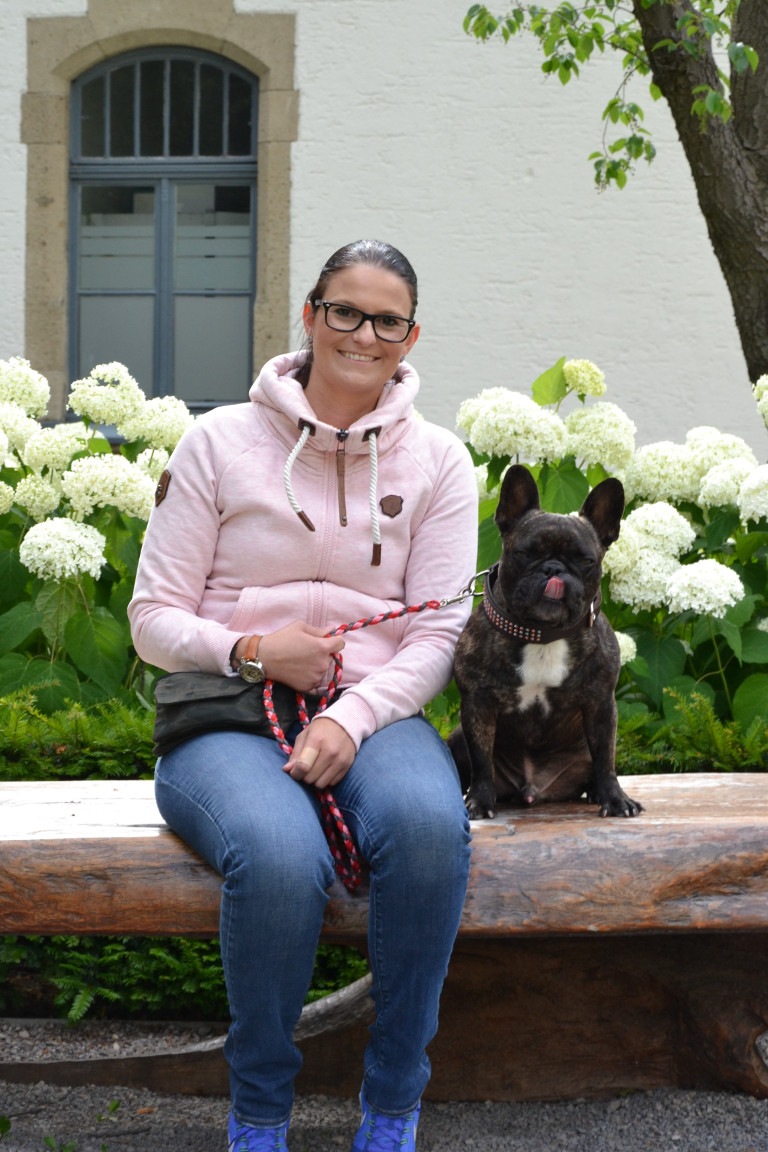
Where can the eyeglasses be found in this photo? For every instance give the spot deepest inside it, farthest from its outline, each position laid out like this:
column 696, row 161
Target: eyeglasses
column 395, row 329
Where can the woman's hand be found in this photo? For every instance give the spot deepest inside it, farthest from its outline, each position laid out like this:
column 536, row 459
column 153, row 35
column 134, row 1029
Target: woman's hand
column 322, row 755
column 297, row 655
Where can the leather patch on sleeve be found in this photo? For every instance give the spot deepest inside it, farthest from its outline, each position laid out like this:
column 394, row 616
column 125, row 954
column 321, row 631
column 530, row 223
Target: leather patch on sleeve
column 162, row 487
column 391, row 505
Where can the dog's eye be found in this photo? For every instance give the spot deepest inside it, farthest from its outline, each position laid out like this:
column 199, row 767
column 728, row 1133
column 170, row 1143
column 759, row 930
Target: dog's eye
column 521, row 557
column 587, row 562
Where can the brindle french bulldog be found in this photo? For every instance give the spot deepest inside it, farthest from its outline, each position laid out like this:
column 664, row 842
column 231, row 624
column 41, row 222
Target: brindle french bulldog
column 537, row 662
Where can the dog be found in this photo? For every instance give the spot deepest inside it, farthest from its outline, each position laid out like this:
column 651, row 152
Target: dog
column 537, row 662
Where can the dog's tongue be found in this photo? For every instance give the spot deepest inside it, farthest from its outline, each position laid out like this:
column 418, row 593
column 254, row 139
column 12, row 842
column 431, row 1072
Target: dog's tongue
column 555, row 589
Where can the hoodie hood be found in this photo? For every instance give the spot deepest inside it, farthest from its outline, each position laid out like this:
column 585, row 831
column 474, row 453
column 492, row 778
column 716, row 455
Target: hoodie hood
column 286, row 408
column 278, row 390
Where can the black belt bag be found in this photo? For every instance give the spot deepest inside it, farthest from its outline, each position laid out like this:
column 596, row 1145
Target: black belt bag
column 188, row 704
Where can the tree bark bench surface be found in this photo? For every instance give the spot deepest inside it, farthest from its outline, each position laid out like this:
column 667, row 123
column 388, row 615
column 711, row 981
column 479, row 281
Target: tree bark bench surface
column 594, row 956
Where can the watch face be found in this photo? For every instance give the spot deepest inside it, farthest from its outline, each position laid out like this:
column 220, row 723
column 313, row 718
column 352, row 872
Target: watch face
column 252, row 671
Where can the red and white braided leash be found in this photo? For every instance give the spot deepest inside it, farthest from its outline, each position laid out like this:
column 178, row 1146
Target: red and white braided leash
column 343, row 850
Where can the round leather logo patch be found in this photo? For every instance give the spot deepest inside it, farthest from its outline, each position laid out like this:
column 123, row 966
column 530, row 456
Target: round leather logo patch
column 391, row 505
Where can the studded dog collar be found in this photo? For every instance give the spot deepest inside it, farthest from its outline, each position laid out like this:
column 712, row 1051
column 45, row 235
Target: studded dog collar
column 531, row 633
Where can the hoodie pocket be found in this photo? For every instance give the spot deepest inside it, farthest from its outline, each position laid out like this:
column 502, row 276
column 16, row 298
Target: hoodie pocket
column 267, row 609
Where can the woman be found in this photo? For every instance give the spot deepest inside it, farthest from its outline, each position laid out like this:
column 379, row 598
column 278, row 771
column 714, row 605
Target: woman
column 244, row 571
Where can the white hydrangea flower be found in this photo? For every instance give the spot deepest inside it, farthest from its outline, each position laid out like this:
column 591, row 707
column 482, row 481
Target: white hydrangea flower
column 762, row 407
column 711, row 447
column 704, row 587
column 6, row 498
column 660, row 527
column 37, row 496
column 59, row 549
column 50, row 448
column 17, row 426
column 20, row 384
column 601, row 434
column 761, row 388
column 107, row 395
column 720, row 486
column 481, row 479
column 663, row 471
column 627, row 647
column 98, row 481
column 623, row 555
column 644, row 585
column 161, row 422
column 753, row 495
column 3, row 446
column 762, row 625
column 153, row 462
column 584, row 378
column 505, row 423
column 470, row 409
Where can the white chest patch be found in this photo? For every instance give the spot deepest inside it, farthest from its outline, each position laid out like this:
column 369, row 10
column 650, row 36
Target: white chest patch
column 542, row 666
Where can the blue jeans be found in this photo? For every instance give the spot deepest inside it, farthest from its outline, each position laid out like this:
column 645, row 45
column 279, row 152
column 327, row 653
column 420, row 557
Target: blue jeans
column 224, row 793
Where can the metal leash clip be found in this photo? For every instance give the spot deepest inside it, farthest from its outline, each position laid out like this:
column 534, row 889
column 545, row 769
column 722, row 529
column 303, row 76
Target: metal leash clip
column 467, row 590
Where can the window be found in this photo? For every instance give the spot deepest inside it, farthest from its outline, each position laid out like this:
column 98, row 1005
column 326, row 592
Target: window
column 163, row 223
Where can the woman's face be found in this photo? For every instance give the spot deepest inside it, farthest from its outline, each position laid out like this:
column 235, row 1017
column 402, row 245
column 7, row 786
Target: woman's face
column 349, row 369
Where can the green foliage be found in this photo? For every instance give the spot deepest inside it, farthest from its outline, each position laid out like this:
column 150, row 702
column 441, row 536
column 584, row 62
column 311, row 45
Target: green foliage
column 5, row 1126
column 148, row 977
column 691, row 738
column 568, row 35
column 443, row 710
column 69, row 640
column 106, row 741
column 336, row 966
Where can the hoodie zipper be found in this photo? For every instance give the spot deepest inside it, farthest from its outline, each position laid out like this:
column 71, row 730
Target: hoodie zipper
column 341, row 461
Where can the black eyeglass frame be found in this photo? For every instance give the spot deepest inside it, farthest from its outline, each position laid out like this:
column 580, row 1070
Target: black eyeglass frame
column 372, row 316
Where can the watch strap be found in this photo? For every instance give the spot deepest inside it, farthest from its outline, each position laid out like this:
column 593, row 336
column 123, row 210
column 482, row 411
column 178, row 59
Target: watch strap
column 252, row 648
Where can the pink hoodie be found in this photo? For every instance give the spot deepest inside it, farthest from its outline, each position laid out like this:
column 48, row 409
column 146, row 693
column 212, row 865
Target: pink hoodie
column 226, row 553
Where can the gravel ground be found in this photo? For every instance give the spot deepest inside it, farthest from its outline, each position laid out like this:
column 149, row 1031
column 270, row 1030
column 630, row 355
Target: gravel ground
column 80, row 1118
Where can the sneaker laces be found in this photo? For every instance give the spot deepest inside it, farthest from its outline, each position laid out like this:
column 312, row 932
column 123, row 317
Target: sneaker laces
column 245, row 1139
column 389, row 1133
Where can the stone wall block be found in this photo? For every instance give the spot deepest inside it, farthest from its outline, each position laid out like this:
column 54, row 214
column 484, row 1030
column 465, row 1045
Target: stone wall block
column 278, row 116
column 59, row 50
column 43, row 118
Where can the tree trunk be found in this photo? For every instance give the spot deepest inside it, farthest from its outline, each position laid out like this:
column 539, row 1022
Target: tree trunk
column 729, row 162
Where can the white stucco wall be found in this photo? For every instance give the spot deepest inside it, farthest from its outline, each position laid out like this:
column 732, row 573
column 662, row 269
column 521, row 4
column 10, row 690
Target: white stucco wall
column 473, row 163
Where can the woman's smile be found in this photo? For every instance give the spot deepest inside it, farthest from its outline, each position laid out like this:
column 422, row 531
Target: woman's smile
column 357, row 356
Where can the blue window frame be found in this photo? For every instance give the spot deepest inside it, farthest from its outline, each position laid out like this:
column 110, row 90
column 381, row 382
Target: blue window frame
column 163, row 223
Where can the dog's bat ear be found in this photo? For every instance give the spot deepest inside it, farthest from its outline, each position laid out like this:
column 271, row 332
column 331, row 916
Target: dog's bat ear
column 603, row 508
column 518, row 495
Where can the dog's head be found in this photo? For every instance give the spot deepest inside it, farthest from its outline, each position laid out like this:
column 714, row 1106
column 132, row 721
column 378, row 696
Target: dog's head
column 551, row 564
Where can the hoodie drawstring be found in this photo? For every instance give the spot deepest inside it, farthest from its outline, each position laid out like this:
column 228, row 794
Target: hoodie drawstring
column 371, row 435
column 307, row 430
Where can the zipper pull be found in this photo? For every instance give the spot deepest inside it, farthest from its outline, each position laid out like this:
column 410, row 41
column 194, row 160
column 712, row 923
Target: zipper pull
column 341, row 459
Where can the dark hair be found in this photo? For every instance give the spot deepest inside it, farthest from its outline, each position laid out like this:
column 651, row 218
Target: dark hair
column 373, row 252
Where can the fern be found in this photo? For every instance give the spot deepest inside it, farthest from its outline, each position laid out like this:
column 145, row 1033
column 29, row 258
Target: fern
column 706, row 743
column 696, row 740
column 109, row 740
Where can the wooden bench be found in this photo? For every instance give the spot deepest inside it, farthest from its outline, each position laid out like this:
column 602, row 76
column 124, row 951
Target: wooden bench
column 594, row 956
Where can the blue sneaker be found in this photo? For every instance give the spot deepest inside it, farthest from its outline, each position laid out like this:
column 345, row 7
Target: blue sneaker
column 245, row 1139
column 380, row 1133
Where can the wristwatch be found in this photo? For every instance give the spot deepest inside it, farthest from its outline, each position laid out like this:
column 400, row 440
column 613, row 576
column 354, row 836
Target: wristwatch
column 250, row 667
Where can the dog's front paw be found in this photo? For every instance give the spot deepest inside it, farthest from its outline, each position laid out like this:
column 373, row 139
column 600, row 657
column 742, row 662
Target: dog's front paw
column 615, row 802
column 481, row 802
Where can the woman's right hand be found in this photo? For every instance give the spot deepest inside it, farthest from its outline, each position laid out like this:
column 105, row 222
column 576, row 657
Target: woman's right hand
column 298, row 655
